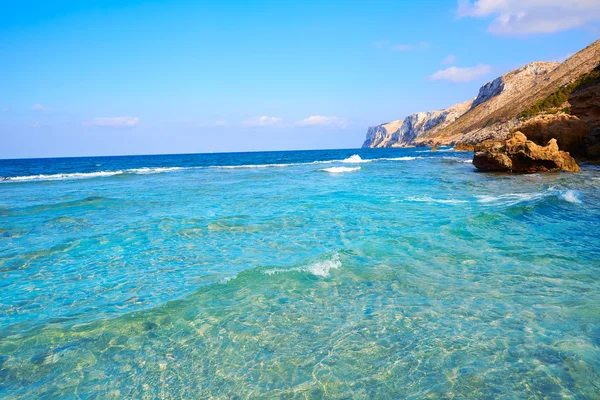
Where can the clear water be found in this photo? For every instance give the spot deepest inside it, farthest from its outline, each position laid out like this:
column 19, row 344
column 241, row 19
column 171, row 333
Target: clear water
column 297, row 275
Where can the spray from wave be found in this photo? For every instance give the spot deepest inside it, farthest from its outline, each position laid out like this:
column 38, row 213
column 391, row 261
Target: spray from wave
column 320, row 268
column 339, row 170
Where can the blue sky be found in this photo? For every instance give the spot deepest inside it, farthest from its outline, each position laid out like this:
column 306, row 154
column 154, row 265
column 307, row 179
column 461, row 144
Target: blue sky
column 132, row 77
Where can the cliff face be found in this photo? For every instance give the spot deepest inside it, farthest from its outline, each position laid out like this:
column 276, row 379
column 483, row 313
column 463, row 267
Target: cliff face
column 585, row 104
column 495, row 110
column 381, row 135
column 403, row 133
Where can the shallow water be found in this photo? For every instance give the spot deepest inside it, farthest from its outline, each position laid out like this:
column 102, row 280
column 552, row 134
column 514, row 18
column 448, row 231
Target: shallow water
column 390, row 274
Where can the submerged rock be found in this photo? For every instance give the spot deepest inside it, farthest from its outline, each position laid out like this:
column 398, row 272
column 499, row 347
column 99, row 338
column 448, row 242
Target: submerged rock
column 517, row 154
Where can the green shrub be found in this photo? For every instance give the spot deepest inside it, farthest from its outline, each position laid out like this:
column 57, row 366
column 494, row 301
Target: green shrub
column 560, row 95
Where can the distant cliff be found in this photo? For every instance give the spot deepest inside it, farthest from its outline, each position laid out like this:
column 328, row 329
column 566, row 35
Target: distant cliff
column 493, row 113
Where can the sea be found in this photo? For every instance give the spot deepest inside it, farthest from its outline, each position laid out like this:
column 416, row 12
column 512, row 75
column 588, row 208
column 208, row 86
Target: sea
column 360, row 273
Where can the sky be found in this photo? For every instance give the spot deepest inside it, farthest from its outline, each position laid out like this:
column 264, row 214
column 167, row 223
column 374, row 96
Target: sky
column 83, row 78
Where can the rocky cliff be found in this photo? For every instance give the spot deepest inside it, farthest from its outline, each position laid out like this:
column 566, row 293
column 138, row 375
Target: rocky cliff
column 496, row 109
column 403, row 133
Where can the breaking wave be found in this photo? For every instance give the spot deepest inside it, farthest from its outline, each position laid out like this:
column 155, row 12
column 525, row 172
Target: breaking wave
column 354, row 159
column 319, row 268
column 427, row 199
column 570, row 196
column 337, row 170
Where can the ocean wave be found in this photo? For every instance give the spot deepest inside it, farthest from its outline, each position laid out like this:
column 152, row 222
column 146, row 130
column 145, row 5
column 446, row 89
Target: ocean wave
column 250, row 166
column 53, row 177
column 355, row 159
column 407, row 158
column 320, row 268
column 337, row 170
column 159, row 170
column 570, row 196
column 427, row 199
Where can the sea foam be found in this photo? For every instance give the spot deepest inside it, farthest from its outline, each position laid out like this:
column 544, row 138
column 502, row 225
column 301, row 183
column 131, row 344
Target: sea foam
column 338, row 170
column 319, row 268
column 355, row 159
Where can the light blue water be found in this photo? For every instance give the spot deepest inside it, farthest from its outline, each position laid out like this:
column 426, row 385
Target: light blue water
column 268, row 275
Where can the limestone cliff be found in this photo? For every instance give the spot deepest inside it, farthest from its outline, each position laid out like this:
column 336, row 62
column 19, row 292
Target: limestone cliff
column 380, row 135
column 403, row 133
column 496, row 109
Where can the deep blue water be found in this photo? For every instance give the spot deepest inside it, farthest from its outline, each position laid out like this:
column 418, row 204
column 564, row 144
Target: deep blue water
column 388, row 273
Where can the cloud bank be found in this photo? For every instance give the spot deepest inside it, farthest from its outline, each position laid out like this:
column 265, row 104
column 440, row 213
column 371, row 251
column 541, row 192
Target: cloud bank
column 458, row 75
column 263, row 121
column 524, row 17
column 320, row 120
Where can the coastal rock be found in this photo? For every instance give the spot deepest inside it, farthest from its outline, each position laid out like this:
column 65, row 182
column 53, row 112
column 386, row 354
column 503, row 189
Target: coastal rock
column 568, row 131
column 462, row 146
column 404, row 133
column 495, row 111
column 517, row 154
column 585, row 104
column 380, row 135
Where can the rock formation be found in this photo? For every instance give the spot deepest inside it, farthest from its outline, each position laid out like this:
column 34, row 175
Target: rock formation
column 494, row 112
column 380, row 135
column 517, row 154
column 568, row 131
column 402, row 133
column 585, row 104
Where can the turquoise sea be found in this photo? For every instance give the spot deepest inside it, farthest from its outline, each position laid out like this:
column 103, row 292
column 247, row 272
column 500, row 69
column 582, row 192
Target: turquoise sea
column 392, row 274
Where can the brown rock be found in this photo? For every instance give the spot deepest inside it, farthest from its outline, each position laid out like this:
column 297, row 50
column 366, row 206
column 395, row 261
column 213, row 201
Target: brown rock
column 462, row 146
column 435, row 147
column 568, row 131
column 585, row 104
column 517, row 154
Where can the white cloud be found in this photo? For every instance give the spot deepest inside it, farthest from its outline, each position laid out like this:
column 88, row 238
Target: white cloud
column 220, row 123
column 320, row 120
column 455, row 74
column 401, row 47
column 262, row 121
column 115, row 122
column 450, row 59
column 523, row 17
column 39, row 107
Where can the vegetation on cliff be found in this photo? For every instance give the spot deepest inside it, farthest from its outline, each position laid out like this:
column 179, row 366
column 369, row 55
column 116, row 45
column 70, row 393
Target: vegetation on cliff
column 552, row 103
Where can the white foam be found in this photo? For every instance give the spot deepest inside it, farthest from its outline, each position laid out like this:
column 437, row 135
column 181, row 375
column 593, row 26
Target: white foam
column 88, row 175
column 399, row 158
column 355, row 159
column 75, row 175
column 147, row 170
column 319, row 268
column 338, row 170
column 427, row 199
column 510, row 198
column 250, row 166
column 570, row 196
